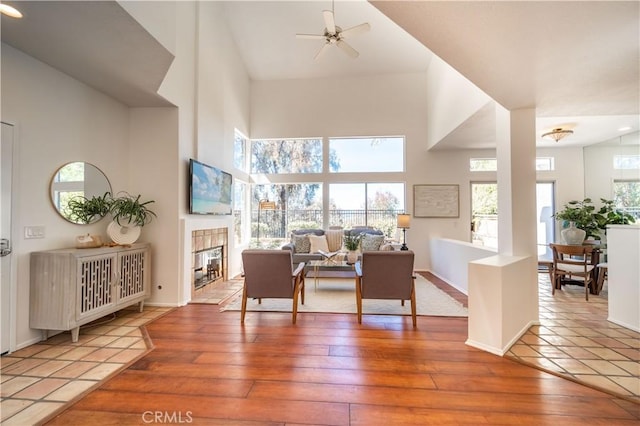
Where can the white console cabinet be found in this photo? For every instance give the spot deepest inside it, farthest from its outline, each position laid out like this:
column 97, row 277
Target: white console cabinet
column 72, row 287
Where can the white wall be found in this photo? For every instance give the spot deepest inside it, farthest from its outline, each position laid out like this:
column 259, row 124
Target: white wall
column 210, row 86
column 600, row 174
column 141, row 150
column 452, row 100
column 152, row 160
column 455, row 272
column 57, row 120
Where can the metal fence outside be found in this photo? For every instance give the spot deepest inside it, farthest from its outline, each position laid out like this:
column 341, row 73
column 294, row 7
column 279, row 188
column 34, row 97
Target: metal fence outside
column 278, row 224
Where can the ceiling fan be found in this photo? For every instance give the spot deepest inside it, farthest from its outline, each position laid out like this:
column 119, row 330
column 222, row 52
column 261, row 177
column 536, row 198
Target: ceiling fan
column 334, row 35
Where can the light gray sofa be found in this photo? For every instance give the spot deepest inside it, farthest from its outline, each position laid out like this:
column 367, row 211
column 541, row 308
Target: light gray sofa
column 306, row 257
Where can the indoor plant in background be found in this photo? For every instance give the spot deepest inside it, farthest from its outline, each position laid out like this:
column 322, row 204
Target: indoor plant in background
column 609, row 214
column 88, row 210
column 578, row 221
column 352, row 243
column 129, row 215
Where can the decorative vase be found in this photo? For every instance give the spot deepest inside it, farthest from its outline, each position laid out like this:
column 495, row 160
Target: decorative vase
column 123, row 234
column 573, row 235
column 352, row 256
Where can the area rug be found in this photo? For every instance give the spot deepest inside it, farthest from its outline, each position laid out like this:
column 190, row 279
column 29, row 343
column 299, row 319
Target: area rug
column 337, row 295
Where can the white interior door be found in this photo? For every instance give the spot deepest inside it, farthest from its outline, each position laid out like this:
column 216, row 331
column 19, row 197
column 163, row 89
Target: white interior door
column 6, row 154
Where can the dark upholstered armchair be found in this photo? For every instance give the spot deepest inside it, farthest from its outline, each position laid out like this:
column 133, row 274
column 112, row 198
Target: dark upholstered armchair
column 269, row 274
column 386, row 275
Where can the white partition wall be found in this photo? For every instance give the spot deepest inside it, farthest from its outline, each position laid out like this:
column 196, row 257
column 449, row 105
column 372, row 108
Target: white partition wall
column 500, row 301
column 623, row 246
column 450, row 260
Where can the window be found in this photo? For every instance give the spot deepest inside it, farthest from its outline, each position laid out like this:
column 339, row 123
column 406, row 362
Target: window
column 366, row 155
column 484, row 214
column 297, row 206
column 286, row 156
column 240, row 151
column 626, row 195
column 370, row 204
column 626, row 162
column 491, row 164
column 544, row 164
column 546, row 222
column 239, row 211
column 304, row 178
column 483, row 164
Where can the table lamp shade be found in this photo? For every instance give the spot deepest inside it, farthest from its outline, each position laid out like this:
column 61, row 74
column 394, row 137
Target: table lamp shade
column 404, row 221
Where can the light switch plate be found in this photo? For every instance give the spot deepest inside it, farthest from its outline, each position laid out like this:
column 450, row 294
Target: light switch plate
column 31, row 232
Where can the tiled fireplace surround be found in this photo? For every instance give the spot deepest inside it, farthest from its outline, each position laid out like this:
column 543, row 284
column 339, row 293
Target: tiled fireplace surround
column 203, row 239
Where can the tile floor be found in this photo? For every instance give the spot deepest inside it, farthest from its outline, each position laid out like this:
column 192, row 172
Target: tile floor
column 42, row 378
column 573, row 339
column 218, row 291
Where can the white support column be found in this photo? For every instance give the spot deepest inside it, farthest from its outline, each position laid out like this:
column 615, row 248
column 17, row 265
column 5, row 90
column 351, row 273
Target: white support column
column 503, row 289
column 516, row 155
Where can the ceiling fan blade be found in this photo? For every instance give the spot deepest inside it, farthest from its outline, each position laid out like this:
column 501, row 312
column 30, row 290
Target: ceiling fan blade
column 347, row 49
column 358, row 29
column 311, row 36
column 329, row 22
column 321, row 51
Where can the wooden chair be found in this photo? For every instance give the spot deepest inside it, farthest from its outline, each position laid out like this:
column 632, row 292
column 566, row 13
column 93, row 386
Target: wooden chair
column 386, row 275
column 603, row 274
column 269, row 274
column 573, row 262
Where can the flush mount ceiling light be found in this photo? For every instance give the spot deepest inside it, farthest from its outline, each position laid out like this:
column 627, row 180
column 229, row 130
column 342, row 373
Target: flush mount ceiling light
column 557, row 134
column 5, row 9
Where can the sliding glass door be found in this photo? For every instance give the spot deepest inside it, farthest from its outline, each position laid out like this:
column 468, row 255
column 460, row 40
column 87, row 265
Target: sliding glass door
column 545, row 208
column 484, row 215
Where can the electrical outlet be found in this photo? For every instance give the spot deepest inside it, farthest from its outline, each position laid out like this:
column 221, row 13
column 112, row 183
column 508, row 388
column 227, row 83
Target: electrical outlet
column 31, row 232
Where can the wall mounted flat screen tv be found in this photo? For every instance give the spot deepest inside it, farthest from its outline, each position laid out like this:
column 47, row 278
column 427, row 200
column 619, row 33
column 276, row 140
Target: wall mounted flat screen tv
column 210, row 189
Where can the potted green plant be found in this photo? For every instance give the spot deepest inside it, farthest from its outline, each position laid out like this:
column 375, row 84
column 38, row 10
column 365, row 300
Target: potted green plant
column 85, row 210
column 609, row 214
column 581, row 215
column 352, row 243
column 128, row 210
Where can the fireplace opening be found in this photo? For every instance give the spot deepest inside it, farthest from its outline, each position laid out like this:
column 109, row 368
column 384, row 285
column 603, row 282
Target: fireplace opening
column 208, row 266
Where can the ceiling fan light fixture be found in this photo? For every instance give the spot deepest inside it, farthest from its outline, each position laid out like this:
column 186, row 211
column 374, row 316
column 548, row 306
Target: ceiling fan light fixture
column 333, row 35
column 5, row 9
column 557, row 134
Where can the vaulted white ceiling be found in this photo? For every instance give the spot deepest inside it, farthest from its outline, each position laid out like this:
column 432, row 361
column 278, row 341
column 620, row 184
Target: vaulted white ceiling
column 577, row 63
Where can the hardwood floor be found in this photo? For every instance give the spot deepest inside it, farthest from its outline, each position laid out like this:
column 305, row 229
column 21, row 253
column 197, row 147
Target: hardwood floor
column 206, row 368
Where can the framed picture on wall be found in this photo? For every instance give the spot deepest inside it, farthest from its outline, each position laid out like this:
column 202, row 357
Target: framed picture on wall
column 436, row 200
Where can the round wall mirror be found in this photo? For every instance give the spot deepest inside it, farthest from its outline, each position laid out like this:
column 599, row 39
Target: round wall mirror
column 80, row 192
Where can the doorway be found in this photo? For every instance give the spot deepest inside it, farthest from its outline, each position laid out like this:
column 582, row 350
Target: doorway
column 484, row 215
column 545, row 209
column 6, row 160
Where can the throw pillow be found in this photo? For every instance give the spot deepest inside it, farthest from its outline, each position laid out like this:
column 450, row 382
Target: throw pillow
column 334, row 239
column 301, row 243
column 371, row 242
column 318, row 243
